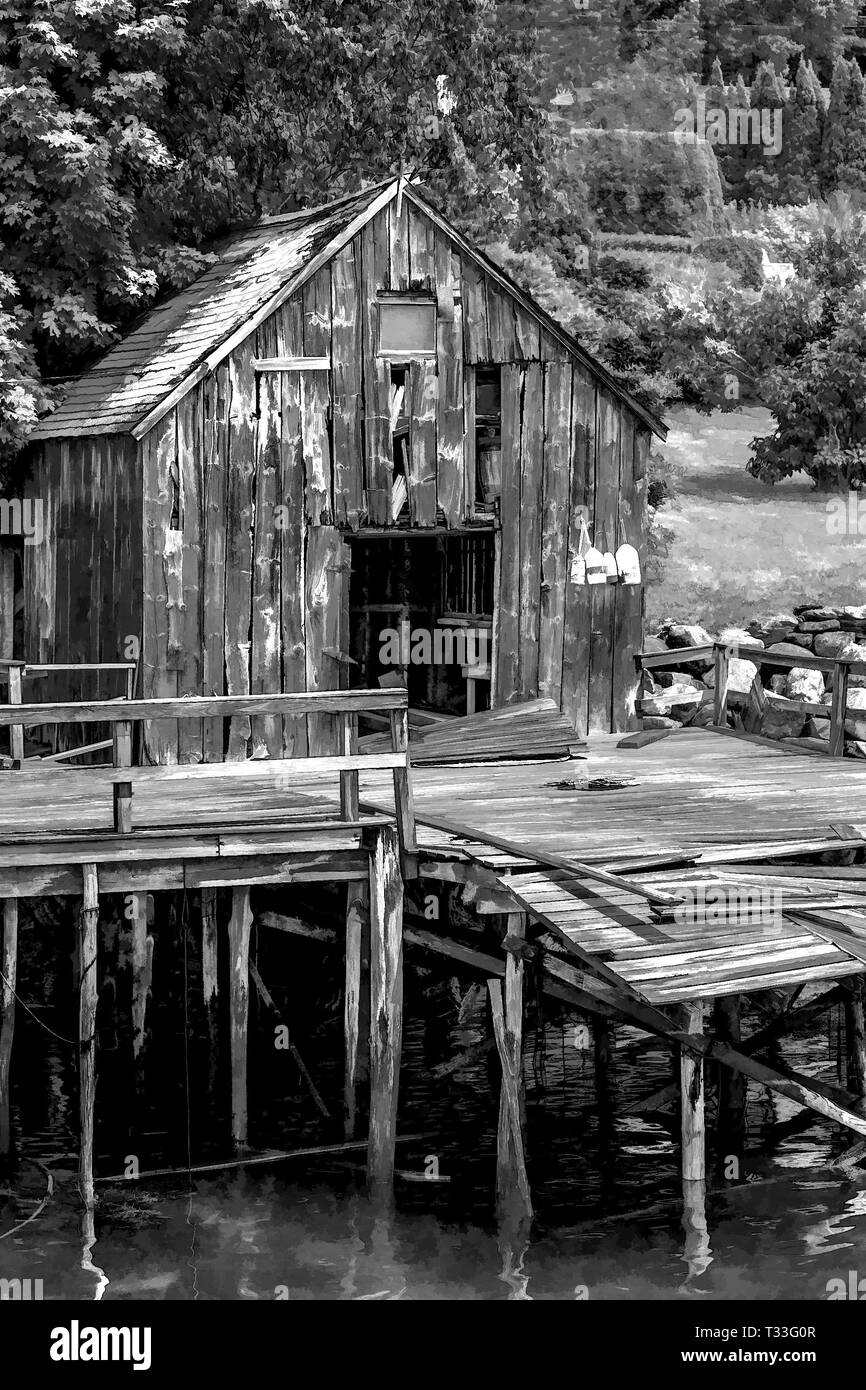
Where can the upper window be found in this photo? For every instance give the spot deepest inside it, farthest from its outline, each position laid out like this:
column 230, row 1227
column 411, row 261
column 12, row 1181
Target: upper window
column 407, row 327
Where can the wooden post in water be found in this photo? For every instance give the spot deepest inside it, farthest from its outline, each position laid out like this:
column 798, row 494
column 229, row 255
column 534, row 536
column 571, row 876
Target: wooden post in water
column 697, row 1245
column 9, row 969
column 692, row 1101
column 512, row 1184
column 357, row 915
column 855, row 1037
column 240, row 923
column 731, row 1119
column 386, row 1008
column 88, row 923
column 209, row 974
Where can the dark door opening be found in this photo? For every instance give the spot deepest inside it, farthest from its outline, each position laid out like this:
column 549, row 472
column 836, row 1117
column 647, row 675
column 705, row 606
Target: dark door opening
column 421, row 615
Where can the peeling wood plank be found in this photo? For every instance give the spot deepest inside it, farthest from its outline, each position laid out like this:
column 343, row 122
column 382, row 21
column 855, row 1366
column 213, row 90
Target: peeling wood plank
column 189, row 457
column 315, row 399
column 602, row 595
column 159, row 450
column 424, row 393
column 578, row 597
column 215, row 391
column 265, row 655
column 554, row 526
column 531, row 465
column 449, row 413
column 476, row 337
column 628, row 598
column 239, row 538
column 507, row 617
column 347, row 388
column 324, row 575
column 292, row 556
column 377, row 374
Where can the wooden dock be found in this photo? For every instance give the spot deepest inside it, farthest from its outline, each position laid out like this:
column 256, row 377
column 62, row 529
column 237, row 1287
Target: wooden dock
column 649, row 880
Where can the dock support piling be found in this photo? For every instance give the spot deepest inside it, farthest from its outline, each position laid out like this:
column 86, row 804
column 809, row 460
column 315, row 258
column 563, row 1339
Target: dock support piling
column 209, row 973
column 692, row 1101
column 9, row 967
column 386, row 1009
column 731, row 1120
column 240, row 923
column 357, row 913
column 855, row 1038
column 512, row 1183
column 88, row 923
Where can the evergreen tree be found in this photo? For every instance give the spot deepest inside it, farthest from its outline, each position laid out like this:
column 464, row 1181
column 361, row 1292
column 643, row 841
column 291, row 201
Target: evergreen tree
column 767, row 101
column 798, row 165
column 843, row 149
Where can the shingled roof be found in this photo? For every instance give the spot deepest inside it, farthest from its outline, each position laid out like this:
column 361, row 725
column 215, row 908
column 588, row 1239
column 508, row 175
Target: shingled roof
column 146, row 366
column 177, row 344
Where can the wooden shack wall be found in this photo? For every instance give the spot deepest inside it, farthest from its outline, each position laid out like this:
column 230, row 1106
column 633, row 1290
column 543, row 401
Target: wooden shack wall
column 81, row 582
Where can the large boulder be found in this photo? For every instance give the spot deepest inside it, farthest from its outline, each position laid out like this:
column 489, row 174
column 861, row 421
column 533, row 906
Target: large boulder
column 803, row 684
column 855, row 727
column 819, row 613
column 660, row 721
column 825, row 625
column 654, row 644
column 687, row 635
column 740, row 676
column 739, row 637
column 773, row 629
column 831, row 643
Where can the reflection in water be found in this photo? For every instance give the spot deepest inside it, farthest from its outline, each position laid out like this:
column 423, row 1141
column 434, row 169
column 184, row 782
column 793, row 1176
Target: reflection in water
column 696, row 1251
column 88, row 1240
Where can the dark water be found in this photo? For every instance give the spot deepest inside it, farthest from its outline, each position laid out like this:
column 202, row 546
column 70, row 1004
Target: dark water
column 609, row 1217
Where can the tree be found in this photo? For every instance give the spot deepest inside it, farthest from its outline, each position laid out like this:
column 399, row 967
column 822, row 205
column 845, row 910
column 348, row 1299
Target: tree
column 767, row 100
column 133, row 131
column 805, row 342
column 798, row 165
column 843, row 152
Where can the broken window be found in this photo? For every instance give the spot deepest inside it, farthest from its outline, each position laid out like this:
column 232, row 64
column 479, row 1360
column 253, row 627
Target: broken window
column 488, row 435
column 407, row 327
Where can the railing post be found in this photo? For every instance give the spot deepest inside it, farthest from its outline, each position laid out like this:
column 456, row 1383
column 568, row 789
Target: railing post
column 121, row 734
column 403, row 800
column 349, row 789
column 838, row 708
column 720, row 682
column 16, row 731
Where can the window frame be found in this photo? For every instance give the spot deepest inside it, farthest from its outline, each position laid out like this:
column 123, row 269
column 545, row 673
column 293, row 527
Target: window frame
column 409, row 300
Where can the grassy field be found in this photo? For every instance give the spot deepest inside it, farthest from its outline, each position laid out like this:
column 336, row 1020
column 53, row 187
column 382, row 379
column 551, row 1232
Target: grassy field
column 740, row 549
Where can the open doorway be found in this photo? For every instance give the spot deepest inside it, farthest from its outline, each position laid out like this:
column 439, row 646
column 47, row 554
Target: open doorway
column 421, row 614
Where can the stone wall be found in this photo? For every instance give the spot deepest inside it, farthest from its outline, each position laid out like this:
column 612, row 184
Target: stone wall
column 760, row 696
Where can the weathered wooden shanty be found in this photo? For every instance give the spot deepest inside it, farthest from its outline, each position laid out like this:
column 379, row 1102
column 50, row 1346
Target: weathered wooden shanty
column 350, row 421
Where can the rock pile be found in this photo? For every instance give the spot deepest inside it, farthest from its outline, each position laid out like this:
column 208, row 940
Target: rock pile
column 761, row 697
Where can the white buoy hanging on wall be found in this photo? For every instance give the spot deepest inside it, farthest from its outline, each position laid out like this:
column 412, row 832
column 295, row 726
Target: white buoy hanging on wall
column 628, row 564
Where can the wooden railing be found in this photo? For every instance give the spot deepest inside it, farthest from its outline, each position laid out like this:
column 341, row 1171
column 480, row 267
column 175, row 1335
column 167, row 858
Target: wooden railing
column 721, row 653
column 348, row 704
column 16, row 672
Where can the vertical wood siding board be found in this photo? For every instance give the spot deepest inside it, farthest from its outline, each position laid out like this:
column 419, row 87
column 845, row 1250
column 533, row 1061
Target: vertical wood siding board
column 215, row 456
column 531, row 464
column 190, row 442
column 422, row 268
column 159, row 452
column 377, row 375
column 554, row 529
column 578, row 598
column 606, row 487
column 551, row 349
column 323, row 609
column 500, row 316
column 627, row 597
column 527, row 334
column 398, row 246
column 449, row 414
column 347, row 401
column 315, row 398
column 424, row 392
column 265, row 666
column 239, row 537
column 476, row 336
column 292, row 558
column 508, row 598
